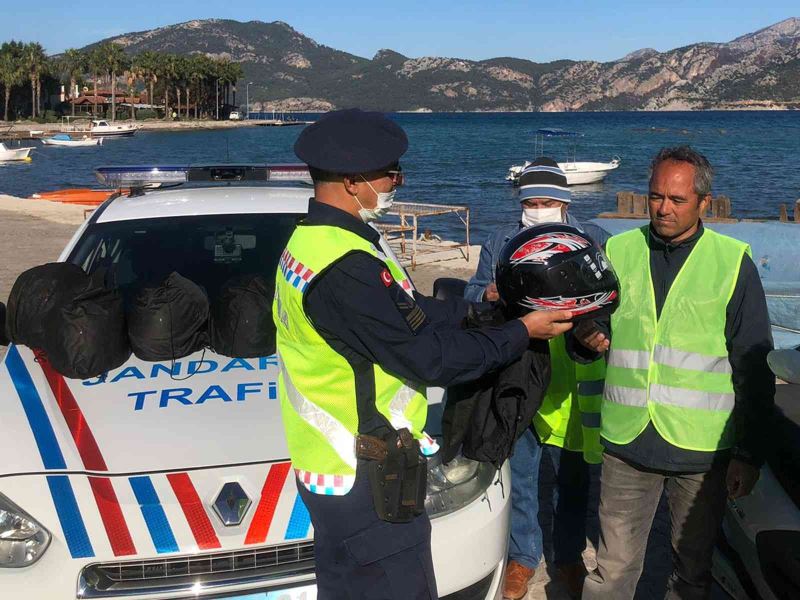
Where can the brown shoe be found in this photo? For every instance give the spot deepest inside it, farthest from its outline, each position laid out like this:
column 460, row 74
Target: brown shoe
column 572, row 576
column 517, row 577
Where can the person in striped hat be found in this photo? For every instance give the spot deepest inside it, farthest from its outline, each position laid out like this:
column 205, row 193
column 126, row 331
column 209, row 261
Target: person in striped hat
column 566, row 427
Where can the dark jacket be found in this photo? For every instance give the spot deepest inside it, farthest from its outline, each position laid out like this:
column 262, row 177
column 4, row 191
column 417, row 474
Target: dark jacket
column 485, row 418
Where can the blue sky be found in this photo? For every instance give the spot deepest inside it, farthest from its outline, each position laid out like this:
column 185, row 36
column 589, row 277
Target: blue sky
column 540, row 31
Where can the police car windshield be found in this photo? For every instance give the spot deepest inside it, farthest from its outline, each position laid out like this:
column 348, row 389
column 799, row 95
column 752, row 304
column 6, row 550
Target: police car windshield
column 208, row 249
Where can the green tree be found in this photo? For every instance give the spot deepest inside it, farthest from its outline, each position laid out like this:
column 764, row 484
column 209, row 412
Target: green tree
column 35, row 63
column 95, row 63
column 114, row 61
column 147, row 65
column 72, row 65
column 12, row 72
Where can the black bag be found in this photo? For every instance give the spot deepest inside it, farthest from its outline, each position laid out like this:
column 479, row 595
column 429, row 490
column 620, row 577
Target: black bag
column 241, row 319
column 88, row 336
column 35, row 293
column 169, row 321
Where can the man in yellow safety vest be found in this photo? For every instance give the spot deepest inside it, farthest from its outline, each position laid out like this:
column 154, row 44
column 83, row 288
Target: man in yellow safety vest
column 688, row 393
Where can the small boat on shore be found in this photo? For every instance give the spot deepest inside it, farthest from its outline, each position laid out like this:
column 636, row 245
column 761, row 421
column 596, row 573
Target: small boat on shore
column 63, row 139
column 83, row 196
column 15, row 154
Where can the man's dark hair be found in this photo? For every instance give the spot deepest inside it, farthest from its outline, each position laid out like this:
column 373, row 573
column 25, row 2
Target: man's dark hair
column 703, row 172
column 320, row 176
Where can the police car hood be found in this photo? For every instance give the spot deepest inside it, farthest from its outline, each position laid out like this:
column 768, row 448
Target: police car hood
column 203, row 410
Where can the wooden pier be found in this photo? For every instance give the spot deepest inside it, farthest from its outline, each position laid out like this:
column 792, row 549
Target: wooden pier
column 635, row 206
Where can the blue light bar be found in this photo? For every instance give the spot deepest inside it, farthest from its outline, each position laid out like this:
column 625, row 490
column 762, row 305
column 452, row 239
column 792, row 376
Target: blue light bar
column 142, row 175
column 155, row 175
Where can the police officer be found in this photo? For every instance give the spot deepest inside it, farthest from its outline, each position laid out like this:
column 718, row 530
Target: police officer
column 358, row 346
column 567, row 425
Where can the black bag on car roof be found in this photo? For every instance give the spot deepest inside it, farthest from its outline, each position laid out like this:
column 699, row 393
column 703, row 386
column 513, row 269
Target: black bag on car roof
column 35, row 293
column 241, row 319
column 169, row 321
column 87, row 334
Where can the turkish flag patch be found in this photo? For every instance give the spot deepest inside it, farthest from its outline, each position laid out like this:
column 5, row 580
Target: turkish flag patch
column 386, row 278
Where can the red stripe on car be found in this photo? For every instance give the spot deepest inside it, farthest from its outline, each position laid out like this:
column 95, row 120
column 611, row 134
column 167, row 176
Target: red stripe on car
column 193, row 509
column 265, row 511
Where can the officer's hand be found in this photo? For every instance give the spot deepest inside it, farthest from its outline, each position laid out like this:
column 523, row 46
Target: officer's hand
column 547, row 324
column 490, row 294
column 741, row 478
column 587, row 333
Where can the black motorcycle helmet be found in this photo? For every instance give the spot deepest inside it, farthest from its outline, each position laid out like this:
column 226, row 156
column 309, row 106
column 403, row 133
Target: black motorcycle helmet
column 556, row 267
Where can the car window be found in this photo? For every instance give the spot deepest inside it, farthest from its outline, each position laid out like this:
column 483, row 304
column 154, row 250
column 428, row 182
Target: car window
column 208, row 249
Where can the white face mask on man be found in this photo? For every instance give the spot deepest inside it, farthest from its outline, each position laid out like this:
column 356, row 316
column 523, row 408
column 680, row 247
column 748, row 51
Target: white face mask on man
column 382, row 206
column 537, row 216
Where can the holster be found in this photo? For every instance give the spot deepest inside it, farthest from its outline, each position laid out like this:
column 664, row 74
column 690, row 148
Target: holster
column 398, row 474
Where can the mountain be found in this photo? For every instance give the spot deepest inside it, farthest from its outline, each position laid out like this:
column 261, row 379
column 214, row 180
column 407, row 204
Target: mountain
column 293, row 72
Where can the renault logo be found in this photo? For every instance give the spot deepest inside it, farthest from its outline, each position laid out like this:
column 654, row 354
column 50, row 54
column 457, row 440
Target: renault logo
column 231, row 504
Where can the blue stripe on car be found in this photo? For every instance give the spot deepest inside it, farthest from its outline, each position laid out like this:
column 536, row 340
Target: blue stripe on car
column 299, row 521
column 70, row 516
column 154, row 515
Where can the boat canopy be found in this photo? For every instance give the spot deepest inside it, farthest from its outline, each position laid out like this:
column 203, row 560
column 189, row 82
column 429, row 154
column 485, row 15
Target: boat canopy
column 557, row 133
column 62, row 136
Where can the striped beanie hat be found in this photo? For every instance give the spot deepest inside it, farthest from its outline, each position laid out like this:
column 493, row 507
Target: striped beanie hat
column 543, row 178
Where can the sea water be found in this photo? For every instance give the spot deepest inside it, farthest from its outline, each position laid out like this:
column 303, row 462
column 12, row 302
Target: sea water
column 462, row 158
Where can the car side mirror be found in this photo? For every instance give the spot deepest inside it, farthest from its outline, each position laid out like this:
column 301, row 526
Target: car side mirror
column 448, row 287
column 785, row 364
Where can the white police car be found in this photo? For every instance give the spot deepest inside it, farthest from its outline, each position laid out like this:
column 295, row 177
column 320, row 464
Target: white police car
column 172, row 480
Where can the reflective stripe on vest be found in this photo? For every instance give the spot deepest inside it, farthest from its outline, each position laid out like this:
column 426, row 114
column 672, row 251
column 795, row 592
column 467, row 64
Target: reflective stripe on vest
column 672, row 370
column 317, row 385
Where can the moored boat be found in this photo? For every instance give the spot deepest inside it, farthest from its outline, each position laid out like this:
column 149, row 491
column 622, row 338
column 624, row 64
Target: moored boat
column 102, row 128
column 63, row 139
column 578, row 173
column 15, row 154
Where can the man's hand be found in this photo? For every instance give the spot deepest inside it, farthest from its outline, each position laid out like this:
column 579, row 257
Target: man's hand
column 741, row 478
column 490, row 294
column 547, row 324
column 587, row 333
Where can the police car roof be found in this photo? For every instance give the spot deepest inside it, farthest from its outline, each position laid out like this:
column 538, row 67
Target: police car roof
column 219, row 200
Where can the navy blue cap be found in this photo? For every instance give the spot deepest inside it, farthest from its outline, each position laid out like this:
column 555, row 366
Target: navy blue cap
column 351, row 141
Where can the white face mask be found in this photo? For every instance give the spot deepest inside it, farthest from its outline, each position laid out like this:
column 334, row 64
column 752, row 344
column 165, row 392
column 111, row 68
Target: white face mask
column 537, row 216
column 384, row 203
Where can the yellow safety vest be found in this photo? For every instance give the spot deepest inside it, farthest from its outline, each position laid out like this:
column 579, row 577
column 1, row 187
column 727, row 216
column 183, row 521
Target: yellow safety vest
column 672, row 370
column 316, row 384
column 563, row 422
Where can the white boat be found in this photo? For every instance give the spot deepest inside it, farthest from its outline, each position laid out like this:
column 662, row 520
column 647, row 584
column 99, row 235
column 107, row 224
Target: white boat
column 7, row 153
column 578, row 173
column 62, row 139
column 102, row 128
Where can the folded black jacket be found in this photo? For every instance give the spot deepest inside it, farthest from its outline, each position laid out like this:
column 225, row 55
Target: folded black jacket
column 484, row 418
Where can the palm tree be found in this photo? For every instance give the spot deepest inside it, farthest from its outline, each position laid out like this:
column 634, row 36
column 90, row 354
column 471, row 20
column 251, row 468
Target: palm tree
column 12, row 72
column 168, row 66
column 72, row 65
column 147, row 65
column 35, row 63
column 95, row 64
column 114, row 61
column 179, row 74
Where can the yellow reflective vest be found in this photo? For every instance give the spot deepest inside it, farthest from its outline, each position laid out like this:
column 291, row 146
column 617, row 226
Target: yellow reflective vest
column 316, row 385
column 672, row 370
column 570, row 413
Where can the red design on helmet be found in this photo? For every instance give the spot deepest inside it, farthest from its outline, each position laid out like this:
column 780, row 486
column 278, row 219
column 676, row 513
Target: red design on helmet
column 542, row 247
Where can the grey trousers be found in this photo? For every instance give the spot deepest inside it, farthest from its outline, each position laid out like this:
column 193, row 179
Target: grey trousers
column 629, row 498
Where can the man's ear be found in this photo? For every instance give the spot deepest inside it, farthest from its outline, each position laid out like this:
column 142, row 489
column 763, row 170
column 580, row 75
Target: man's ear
column 704, row 203
column 351, row 184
